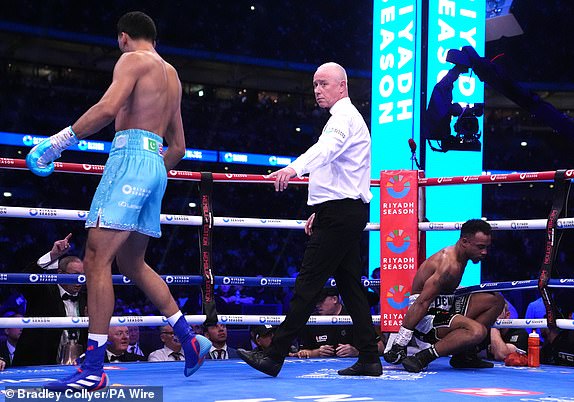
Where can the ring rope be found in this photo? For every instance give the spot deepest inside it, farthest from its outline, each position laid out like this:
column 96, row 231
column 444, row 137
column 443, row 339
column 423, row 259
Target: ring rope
column 176, row 280
column 194, row 220
column 86, row 168
column 512, row 285
column 532, row 323
column 82, row 322
column 523, row 224
column 527, row 177
column 75, row 279
column 165, row 219
column 149, row 320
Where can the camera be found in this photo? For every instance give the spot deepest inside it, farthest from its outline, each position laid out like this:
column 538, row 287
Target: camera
column 466, row 128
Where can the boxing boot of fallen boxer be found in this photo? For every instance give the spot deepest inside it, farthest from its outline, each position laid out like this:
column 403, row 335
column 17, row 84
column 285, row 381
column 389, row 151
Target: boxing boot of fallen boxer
column 398, row 351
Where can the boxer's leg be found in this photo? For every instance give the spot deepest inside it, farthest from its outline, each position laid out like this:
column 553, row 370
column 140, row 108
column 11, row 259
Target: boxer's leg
column 131, row 263
column 485, row 309
column 101, row 248
column 456, row 333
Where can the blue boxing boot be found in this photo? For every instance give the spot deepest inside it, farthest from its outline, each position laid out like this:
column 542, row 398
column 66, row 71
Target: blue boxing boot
column 41, row 158
column 90, row 376
column 195, row 347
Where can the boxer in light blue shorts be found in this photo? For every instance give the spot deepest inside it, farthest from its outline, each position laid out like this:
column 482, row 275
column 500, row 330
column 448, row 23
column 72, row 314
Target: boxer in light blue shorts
column 131, row 189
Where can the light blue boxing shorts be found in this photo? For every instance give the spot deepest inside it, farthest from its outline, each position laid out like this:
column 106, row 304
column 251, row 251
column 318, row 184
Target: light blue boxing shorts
column 131, row 189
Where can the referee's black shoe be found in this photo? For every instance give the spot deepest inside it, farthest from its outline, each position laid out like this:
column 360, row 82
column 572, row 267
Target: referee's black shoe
column 260, row 361
column 370, row 369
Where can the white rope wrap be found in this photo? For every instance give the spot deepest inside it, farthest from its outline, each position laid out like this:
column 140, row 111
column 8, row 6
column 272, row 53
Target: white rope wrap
column 165, row 219
column 193, row 220
column 82, row 322
column 146, row 321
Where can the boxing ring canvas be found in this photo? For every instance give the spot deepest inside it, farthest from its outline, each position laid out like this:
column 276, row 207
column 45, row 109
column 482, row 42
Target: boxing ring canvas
column 317, row 380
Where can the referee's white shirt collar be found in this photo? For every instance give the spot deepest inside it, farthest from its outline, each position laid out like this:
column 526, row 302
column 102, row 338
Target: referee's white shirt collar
column 340, row 104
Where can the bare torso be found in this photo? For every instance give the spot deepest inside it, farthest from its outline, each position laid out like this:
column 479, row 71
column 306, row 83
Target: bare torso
column 442, row 272
column 450, row 268
column 155, row 96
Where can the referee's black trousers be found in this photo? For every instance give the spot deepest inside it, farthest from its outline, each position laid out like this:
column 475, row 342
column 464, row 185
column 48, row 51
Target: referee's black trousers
column 333, row 250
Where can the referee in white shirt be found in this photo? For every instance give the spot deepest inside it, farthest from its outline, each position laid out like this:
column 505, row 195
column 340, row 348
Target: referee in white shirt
column 339, row 168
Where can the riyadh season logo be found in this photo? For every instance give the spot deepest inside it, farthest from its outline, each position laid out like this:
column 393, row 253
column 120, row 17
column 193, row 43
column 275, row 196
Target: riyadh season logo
column 82, row 145
column 133, row 190
column 179, row 279
column 398, row 187
column 233, row 280
column 270, row 282
column 398, row 241
column 28, row 140
column 398, row 297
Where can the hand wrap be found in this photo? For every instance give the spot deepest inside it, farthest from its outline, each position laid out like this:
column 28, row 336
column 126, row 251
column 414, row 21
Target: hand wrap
column 41, row 158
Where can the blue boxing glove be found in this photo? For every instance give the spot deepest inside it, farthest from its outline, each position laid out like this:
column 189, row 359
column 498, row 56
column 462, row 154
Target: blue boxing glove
column 41, row 158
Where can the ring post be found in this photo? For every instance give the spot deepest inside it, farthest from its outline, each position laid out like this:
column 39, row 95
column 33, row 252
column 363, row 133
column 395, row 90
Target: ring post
column 560, row 195
column 205, row 240
column 399, row 244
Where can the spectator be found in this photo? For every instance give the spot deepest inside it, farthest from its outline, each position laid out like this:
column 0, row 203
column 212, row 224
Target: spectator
column 134, row 346
column 327, row 340
column 8, row 345
column 559, row 346
column 536, row 309
column 229, row 299
column 198, row 329
column 171, row 350
column 505, row 341
column 217, row 334
column 117, row 349
column 51, row 301
column 262, row 336
column 15, row 302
